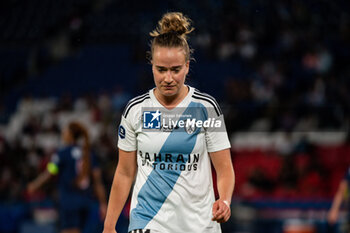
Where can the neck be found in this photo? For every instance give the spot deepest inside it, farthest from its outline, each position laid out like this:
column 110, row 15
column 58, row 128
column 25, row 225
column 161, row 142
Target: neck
column 171, row 101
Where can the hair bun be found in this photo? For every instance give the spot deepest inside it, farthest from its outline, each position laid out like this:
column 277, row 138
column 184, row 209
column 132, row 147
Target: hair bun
column 173, row 22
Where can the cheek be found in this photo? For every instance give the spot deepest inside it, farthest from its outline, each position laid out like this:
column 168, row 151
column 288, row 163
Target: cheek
column 157, row 77
column 180, row 77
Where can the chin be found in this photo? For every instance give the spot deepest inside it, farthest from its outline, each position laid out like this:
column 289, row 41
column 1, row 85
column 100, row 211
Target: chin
column 169, row 93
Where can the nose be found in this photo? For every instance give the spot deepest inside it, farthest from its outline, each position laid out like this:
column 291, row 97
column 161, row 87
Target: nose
column 168, row 77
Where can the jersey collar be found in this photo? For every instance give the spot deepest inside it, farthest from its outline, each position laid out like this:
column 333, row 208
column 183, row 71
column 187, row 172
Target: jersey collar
column 183, row 103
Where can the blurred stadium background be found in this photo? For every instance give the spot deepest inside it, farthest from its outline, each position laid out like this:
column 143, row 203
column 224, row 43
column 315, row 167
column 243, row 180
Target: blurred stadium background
column 280, row 70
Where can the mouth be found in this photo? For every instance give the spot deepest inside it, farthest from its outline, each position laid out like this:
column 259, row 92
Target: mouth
column 168, row 87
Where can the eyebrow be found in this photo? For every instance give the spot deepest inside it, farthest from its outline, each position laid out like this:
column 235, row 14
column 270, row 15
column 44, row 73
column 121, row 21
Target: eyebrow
column 172, row 67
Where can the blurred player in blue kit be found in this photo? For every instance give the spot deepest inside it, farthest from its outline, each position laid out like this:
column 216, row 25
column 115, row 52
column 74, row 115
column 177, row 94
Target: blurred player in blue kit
column 169, row 166
column 78, row 176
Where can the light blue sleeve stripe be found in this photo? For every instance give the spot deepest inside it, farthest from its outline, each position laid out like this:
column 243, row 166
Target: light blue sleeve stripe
column 160, row 183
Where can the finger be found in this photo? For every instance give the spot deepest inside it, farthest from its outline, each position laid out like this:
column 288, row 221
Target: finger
column 222, row 215
column 224, row 219
column 220, row 220
column 221, row 208
column 227, row 216
column 215, row 209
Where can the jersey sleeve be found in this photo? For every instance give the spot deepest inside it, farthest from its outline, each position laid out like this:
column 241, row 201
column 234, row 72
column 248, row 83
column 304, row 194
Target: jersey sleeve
column 126, row 135
column 216, row 135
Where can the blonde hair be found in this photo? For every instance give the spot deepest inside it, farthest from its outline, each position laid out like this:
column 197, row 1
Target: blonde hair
column 171, row 32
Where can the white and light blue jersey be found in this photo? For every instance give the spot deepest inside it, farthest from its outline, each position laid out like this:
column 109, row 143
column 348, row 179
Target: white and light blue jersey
column 173, row 191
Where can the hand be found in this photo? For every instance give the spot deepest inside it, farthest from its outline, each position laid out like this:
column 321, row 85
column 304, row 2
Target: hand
column 332, row 216
column 221, row 211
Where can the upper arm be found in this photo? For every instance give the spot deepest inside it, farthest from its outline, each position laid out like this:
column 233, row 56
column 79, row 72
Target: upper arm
column 127, row 144
column 222, row 161
column 127, row 164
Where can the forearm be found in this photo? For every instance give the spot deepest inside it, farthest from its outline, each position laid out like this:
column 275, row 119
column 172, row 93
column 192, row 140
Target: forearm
column 338, row 199
column 226, row 183
column 119, row 193
column 224, row 172
column 339, row 196
column 39, row 181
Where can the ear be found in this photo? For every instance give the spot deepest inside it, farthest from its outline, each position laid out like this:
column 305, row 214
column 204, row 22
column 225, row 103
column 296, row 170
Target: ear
column 187, row 64
column 153, row 67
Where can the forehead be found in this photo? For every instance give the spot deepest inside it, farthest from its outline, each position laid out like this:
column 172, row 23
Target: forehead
column 164, row 56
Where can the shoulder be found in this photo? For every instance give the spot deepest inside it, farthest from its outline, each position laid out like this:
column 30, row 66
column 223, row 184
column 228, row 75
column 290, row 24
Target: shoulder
column 137, row 101
column 207, row 100
column 62, row 154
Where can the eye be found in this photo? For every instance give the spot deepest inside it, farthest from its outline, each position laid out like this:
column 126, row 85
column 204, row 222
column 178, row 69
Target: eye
column 161, row 70
column 176, row 70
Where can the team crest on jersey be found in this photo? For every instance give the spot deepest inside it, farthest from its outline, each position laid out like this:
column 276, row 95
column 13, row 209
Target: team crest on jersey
column 121, row 132
column 76, row 153
column 152, row 119
column 190, row 128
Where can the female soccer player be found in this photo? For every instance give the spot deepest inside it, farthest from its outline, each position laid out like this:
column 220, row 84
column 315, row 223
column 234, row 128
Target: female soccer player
column 75, row 166
column 165, row 153
column 339, row 197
